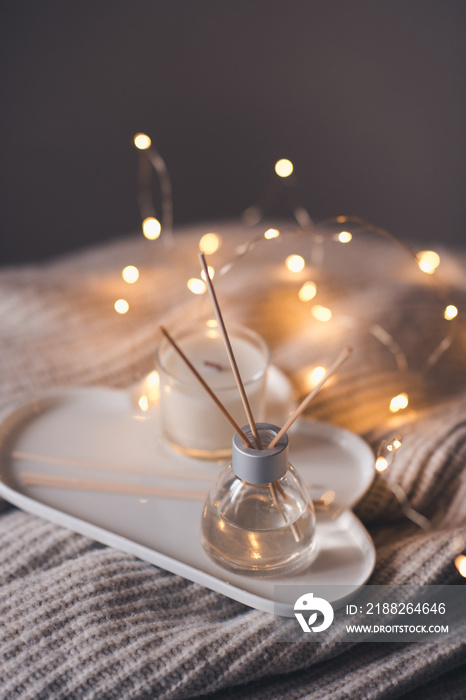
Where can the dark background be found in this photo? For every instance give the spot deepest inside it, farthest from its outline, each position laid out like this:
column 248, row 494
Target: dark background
column 366, row 97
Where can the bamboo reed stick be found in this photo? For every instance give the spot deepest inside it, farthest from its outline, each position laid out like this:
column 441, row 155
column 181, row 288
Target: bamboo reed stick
column 70, row 482
column 342, row 357
column 109, row 466
column 229, row 349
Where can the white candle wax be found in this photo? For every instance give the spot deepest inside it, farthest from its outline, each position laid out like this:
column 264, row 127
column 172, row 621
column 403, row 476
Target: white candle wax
column 190, row 419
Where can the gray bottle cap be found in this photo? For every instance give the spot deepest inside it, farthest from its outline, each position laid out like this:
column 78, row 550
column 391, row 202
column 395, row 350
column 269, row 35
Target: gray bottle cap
column 260, row 466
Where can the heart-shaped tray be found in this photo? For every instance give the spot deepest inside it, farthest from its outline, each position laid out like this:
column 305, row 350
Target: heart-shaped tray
column 87, row 459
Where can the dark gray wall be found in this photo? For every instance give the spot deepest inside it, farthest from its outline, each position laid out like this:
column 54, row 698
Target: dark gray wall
column 367, row 97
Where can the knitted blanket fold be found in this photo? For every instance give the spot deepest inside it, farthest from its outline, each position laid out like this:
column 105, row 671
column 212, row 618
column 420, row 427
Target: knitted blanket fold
column 80, row 620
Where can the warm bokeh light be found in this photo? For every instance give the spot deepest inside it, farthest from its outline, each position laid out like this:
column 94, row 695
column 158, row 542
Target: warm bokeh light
column 130, row 274
column 399, row 402
column 210, row 243
column 271, row 233
column 196, row 286
column 315, row 375
column 151, row 228
column 295, row 263
column 150, row 388
column 283, row 167
column 142, row 141
column 153, row 378
column 381, row 464
column 143, row 403
column 460, row 563
column 450, row 312
column 211, row 273
column 345, row 237
column 428, row 261
column 211, row 323
column 321, row 313
column 121, row 306
column 307, row 291
column 396, row 443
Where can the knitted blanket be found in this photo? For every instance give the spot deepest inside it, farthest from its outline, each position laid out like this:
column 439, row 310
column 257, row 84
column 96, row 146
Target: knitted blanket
column 80, row 620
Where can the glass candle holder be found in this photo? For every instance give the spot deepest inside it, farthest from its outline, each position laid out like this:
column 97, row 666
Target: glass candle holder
column 258, row 516
column 191, row 422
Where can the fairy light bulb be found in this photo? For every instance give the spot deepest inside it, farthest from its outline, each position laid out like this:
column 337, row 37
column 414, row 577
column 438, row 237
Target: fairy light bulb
column 399, row 402
column 271, row 233
column 381, row 464
column 460, row 563
column 210, row 243
column 151, row 228
column 142, row 141
column 130, row 274
column 121, row 306
column 345, row 237
column 307, row 291
column 211, row 273
column 258, row 518
column 428, row 261
column 450, row 312
column 295, row 263
column 321, row 313
column 196, row 286
column 315, row 375
column 143, row 403
column 284, row 167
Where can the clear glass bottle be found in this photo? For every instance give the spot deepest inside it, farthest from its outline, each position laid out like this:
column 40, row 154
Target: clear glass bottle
column 258, row 516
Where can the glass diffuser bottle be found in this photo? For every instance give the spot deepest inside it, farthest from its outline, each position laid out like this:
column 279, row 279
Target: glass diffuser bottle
column 258, row 516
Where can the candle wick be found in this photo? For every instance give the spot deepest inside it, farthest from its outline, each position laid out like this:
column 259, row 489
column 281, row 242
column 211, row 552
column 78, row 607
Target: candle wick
column 214, row 365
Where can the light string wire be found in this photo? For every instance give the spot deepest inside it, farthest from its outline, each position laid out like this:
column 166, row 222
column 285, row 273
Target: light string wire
column 149, row 154
column 385, row 457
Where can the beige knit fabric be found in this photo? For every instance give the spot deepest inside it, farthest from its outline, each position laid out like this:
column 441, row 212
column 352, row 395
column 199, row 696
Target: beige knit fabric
column 79, row 620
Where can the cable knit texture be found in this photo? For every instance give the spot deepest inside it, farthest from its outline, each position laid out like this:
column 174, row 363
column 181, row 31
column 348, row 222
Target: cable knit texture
column 81, row 621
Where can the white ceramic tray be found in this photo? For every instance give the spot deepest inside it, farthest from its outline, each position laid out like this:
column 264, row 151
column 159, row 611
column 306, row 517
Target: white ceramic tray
column 151, row 500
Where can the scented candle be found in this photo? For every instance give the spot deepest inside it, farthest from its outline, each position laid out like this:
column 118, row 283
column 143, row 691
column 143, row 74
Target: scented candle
column 191, row 422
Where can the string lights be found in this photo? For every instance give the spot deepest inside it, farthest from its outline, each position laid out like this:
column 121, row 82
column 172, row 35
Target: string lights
column 295, row 263
column 121, row 306
column 460, row 563
column 284, row 167
column 209, row 243
column 344, row 236
column 130, row 274
column 384, row 459
column 307, row 291
column 428, row 261
column 341, row 230
column 399, row 402
column 151, row 226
